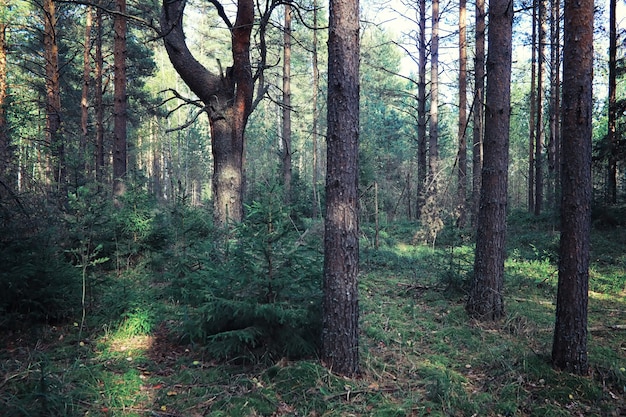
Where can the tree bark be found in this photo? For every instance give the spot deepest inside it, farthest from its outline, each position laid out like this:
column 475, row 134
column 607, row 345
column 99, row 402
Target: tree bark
column 612, row 113
column 539, row 130
column 533, row 112
column 569, row 350
column 84, row 100
column 119, row 101
column 286, row 128
column 99, row 100
column 462, row 158
column 555, row 102
column 486, row 301
column 433, row 132
column 53, row 96
column 228, row 101
column 340, row 341
column 316, row 114
column 479, row 82
column 5, row 146
column 422, row 148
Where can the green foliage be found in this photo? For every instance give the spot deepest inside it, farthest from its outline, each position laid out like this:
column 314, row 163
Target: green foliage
column 38, row 283
column 257, row 294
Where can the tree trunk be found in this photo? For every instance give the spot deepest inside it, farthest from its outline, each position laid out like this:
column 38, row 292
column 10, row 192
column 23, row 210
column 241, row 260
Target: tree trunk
column 462, row 162
column 612, row 113
column 479, row 73
column 533, row 112
column 53, row 96
column 98, row 99
column 286, row 131
column 555, row 102
column 539, row 131
column 5, row 146
column 228, row 101
column 316, row 114
column 569, row 350
column 422, row 167
column 84, row 100
column 119, row 101
column 433, row 136
column 340, row 333
column 486, row 300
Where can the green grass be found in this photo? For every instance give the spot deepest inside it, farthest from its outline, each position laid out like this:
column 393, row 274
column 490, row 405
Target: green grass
column 420, row 354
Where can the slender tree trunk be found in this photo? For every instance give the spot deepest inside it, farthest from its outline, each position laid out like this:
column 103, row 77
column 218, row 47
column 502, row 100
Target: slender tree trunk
column 84, row 100
column 479, row 103
column 119, row 101
column 98, row 99
column 569, row 350
column 612, row 116
column 462, row 163
column 533, row 112
column 316, row 114
column 539, row 130
column 5, row 145
column 340, row 333
column 486, row 301
column 433, row 137
column 228, row 98
column 286, row 131
column 53, row 97
column 422, row 167
column 555, row 80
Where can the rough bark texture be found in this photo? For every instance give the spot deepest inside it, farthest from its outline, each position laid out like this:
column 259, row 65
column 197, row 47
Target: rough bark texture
column 485, row 300
column 569, row 350
column 479, row 73
column 340, row 342
column 227, row 97
column 119, row 101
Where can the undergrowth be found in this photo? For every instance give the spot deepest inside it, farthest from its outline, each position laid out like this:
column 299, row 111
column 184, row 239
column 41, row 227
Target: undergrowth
column 196, row 322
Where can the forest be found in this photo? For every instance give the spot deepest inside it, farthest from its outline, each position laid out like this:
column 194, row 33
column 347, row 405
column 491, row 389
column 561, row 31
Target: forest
column 306, row 208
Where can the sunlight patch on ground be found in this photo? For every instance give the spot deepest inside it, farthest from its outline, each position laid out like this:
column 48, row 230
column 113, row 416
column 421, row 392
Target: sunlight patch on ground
column 132, row 343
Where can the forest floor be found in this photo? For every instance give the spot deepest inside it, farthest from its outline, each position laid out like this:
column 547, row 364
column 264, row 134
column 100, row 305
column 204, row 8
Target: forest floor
column 420, row 354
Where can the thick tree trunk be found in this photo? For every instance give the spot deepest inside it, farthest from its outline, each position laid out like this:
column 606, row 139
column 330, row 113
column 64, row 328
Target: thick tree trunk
column 286, row 131
column 462, row 129
column 569, row 350
column 227, row 97
column 479, row 103
column 340, row 334
column 486, row 301
column 119, row 101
